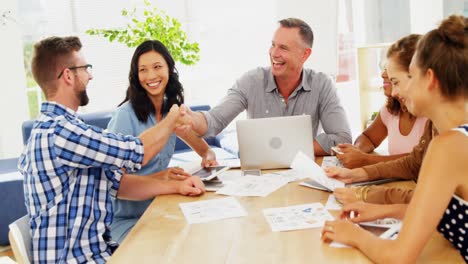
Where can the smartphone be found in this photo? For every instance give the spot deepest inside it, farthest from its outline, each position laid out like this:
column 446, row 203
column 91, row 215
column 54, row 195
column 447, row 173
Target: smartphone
column 254, row 172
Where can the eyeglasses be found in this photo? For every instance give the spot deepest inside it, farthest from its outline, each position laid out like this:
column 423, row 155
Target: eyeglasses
column 88, row 68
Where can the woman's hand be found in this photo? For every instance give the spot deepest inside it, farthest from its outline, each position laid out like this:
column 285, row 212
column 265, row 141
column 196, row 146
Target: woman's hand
column 364, row 212
column 347, row 175
column 209, row 158
column 342, row 231
column 345, row 195
column 352, row 157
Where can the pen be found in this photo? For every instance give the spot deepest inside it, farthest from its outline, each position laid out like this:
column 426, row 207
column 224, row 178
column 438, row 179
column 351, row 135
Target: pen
column 337, row 150
column 394, row 235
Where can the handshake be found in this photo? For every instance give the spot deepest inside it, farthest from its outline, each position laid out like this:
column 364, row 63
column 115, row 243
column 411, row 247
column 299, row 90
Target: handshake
column 184, row 119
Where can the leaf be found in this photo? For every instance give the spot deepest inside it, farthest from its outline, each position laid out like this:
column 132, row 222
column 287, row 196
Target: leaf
column 156, row 24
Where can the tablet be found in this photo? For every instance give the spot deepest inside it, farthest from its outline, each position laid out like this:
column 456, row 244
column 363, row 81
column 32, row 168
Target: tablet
column 376, row 230
column 209, row 173
column 382, row 231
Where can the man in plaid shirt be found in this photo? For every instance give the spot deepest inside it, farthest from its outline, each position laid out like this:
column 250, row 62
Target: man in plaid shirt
column 71, row 169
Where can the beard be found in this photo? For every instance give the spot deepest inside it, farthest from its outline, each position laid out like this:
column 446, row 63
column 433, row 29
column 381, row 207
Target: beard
column 80, row 93
column 84, row 99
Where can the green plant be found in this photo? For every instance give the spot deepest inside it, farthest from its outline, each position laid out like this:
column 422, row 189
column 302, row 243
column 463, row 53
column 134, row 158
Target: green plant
column 27, row 57
column 154, row 25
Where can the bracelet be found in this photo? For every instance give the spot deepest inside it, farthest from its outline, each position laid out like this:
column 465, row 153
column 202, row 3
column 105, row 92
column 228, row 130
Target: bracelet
column 358, row 193
column 365, row 192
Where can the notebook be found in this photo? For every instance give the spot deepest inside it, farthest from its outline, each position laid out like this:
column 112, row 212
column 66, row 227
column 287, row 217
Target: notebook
column 272, row 143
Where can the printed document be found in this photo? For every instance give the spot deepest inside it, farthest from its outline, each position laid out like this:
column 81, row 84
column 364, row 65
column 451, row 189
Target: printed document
column 252, row 186
column 308, row 167
column 332, row 203
column 297, row 217
column 289, row 175
column 211, row 210
column 331, row 161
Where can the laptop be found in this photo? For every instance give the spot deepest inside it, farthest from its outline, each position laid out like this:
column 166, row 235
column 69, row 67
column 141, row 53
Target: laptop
column 272, row 143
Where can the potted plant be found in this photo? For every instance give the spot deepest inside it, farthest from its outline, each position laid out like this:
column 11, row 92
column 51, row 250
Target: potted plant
column 154, row 25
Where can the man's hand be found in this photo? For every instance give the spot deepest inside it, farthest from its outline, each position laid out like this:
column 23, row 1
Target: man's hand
column 192, row 186
column 178, row 115
column 184, row 122
column 352, row 157
column 175, row 173
column 347, row 175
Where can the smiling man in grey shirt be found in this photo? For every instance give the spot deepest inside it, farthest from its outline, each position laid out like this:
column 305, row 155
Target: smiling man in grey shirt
column 283, row 89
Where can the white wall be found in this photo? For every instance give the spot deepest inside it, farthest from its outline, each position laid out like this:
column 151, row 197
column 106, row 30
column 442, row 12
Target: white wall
column 322, row 18
column 425, row 15
column 13, row 101
column 234, row 37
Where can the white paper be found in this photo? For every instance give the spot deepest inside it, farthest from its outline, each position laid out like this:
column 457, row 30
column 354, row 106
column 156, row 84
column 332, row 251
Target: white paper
column 191, row 166
column 211, row 210
column 252, row 186
column 332, row 203
column 289, row 175
column 231, row 163
column 331, row 161
column 297, row 217
column 230, row 175
column 307, row 166
column 6, row 260
column 390, row 222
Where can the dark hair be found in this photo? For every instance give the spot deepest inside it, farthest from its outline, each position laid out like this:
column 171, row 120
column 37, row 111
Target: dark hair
column 402, row 50
column 444, row 50
column 52, row 55
column 137, row 95
column 304, row 29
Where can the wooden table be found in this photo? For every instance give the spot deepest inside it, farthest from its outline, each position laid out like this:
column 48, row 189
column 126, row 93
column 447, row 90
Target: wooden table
column 162, row 235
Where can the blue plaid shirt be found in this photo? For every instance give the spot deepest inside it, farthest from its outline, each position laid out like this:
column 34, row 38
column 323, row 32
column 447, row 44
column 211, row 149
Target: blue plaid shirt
column 70, row 172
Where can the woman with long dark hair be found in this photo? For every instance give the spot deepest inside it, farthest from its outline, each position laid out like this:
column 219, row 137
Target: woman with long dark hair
column 154, row 87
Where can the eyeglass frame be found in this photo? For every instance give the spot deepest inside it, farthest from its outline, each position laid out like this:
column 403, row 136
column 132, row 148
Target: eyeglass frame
column 86, row 66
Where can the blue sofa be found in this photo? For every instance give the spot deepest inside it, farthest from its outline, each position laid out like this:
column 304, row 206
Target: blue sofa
column 11, row 196
column 11, row 182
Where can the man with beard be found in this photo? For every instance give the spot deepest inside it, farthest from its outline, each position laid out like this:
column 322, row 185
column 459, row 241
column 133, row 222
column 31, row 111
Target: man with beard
column 71, row 169
column 283, row 89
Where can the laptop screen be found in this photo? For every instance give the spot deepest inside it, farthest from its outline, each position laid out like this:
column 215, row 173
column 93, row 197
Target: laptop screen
column 272, row 143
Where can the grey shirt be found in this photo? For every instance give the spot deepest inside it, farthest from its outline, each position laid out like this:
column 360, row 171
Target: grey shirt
column 256, row 92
